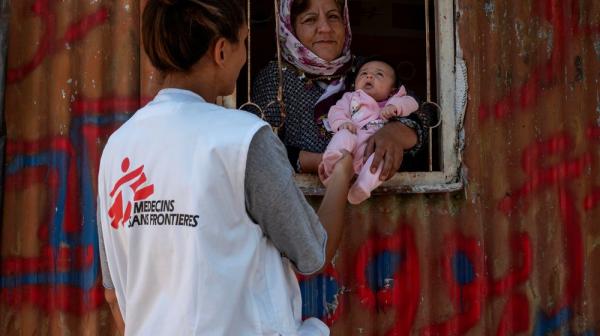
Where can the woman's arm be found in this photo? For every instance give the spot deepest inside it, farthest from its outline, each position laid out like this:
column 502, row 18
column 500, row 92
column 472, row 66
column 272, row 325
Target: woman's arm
column 306, row 238
column 331, row 212
column 111, row 299
column 109, row 287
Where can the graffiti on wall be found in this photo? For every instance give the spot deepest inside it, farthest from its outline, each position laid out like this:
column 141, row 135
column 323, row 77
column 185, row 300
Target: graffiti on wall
column 68, row 263
column 387, row 268
column 567, row 27
column 550, row 167
column 49, row 43
column 65, row 275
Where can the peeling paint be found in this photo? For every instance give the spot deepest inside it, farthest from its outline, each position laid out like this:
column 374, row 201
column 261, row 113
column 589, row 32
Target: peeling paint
column 548, row 35
column 579, row 74
column 597, row 48
column 489, row 8
column 519, row 37
column 597, row 103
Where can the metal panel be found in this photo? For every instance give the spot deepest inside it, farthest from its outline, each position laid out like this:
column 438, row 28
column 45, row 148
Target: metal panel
column 4, row 15
column 516, row 252
column 73, row 77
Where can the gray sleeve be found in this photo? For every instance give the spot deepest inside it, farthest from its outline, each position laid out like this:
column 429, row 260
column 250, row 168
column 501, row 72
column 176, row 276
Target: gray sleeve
column 106, row 278
column 275, row 203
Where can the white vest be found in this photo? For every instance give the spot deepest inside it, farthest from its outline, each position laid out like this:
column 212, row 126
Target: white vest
column 184, row 256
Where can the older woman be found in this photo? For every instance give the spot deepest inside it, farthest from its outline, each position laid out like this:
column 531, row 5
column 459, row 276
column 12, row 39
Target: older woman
column 191, row 228
column 315, row 37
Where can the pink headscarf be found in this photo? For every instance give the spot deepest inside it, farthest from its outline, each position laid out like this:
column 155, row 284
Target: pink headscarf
column 295, row 53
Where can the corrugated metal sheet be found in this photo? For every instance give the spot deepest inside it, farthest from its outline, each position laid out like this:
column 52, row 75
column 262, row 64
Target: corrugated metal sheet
column 3, row 49
column 517, row 252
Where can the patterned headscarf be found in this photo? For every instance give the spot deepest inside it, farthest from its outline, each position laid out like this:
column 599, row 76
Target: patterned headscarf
column 295, row 53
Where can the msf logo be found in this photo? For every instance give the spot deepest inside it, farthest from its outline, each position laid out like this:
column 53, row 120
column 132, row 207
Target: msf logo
column 135, row 179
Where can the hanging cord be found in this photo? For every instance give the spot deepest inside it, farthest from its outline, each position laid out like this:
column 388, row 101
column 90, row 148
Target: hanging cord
column 282, row 112
column 279, row 98
column 248, row 66
column 429, row 102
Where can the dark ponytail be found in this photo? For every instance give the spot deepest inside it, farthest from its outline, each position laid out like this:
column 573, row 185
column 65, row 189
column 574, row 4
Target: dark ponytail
column 177, row 33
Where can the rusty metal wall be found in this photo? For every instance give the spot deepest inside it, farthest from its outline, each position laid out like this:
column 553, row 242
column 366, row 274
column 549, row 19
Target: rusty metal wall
column 4, row 15
column 516, row 252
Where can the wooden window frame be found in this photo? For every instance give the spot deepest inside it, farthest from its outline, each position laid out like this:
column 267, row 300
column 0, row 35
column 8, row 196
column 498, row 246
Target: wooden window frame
column 452, row 92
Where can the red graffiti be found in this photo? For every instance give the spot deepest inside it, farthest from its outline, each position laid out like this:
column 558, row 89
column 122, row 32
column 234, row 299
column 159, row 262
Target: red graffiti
column 574, row 247
column 592, row 199
column 466, row 294
column 48, row 45
column 541, row 175
column 522, row 266
column 64, row 275
column 469, row 285
column 65, row 259
column 564, row 19
column 107, row 105
column 539, row 161
column 403, row 293
column 55, row 298
column 515, row 317
column 37, row 174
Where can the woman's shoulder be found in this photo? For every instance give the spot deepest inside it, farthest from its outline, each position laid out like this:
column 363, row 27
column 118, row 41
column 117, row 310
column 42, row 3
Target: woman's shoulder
column 270, row 67
column 267, row 75
column 295, row 82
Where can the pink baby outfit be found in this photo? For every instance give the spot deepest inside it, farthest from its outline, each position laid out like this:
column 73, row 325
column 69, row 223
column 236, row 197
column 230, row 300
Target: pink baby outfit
column 361, row 110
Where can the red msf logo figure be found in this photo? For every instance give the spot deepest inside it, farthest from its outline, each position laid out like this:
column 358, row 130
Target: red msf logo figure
column 135, row 178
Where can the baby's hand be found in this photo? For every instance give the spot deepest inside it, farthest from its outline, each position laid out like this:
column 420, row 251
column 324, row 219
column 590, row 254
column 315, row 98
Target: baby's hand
column 349, row 126
column 388, row 111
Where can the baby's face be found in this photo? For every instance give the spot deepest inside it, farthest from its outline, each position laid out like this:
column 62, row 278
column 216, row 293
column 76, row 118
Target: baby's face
column 376, row 79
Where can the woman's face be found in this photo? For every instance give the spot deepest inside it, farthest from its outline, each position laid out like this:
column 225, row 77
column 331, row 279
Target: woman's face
column 321, row 29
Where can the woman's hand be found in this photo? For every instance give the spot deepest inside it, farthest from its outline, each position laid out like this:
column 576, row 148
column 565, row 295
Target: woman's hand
column 388, row 145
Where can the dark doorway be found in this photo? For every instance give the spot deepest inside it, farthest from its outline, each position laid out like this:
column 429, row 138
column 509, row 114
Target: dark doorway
column 391, row 28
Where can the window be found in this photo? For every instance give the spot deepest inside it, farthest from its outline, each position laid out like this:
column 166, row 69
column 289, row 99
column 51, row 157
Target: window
column 396, row 29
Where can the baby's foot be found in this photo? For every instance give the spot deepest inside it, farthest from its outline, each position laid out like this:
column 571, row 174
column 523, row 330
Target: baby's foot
column 358, row 194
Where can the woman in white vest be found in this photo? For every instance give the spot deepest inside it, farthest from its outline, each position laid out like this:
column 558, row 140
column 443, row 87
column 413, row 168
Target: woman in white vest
column 201, row 225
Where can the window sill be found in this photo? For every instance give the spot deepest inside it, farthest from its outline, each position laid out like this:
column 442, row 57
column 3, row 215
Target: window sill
column 401, row 183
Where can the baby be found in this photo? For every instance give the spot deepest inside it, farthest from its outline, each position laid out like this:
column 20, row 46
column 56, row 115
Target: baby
column 357, row 116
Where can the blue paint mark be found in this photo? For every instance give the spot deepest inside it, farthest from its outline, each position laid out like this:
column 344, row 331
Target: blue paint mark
column 319, row 296
column 54, row 160
column 59, row 162
column 546, row 324
column 380, row 271
column 463, row 269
